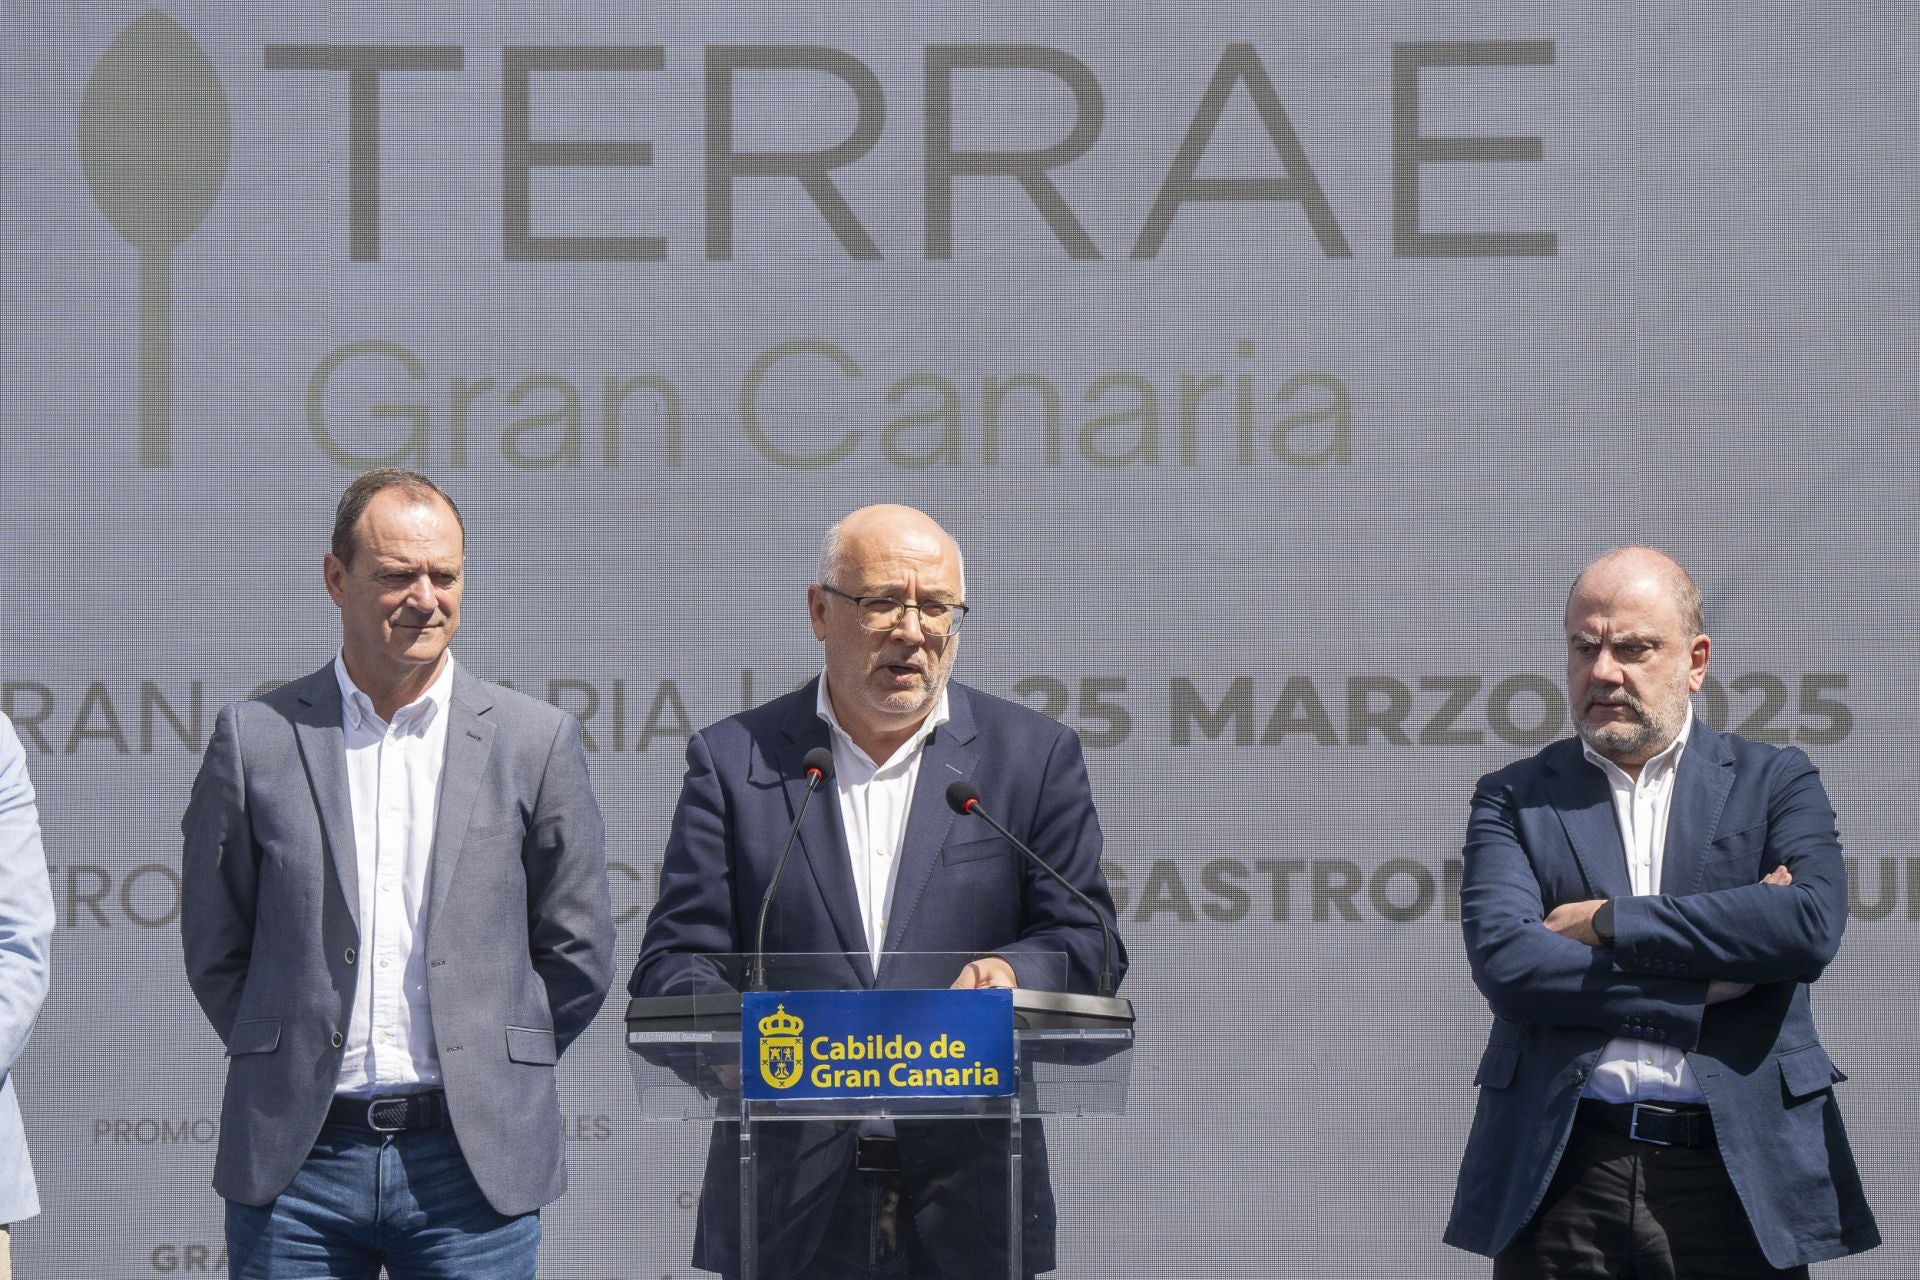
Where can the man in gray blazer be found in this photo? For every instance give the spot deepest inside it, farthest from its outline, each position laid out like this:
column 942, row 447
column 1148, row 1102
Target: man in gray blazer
column 395, row 915
column 26, row 925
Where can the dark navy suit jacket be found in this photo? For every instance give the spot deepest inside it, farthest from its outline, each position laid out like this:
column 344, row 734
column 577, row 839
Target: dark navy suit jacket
column 1543, row 833
column 960, row 889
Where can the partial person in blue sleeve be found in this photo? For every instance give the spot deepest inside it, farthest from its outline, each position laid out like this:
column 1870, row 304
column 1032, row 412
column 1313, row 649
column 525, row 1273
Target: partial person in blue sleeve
column 1646, row 907
column 26, row 925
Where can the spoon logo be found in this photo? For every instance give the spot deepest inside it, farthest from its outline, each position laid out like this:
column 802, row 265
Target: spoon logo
column 154, row 142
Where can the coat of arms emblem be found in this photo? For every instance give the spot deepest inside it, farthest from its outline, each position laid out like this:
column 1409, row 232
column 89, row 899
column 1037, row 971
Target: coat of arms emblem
column 782, row 1055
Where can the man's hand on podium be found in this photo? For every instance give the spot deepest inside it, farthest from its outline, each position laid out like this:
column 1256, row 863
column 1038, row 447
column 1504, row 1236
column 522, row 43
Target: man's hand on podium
column 987, row 971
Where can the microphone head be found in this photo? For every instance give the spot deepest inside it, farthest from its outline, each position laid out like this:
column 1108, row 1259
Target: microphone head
column 820, row 761
column 962, row 795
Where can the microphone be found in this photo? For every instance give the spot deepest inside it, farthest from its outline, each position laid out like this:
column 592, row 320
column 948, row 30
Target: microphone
column 964, row 798
column 819, row 767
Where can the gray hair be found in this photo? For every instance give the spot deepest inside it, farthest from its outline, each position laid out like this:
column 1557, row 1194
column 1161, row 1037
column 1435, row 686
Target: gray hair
column 1686, row 592
column 833, row 550
column 832, row 556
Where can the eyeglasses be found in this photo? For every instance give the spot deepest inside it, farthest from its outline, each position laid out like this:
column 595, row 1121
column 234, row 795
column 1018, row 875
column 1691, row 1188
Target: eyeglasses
column 883, row 613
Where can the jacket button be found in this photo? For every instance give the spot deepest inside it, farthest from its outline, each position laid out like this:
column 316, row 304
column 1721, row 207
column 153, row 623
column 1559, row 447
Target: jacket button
column 349, row 955
column 338, row 1039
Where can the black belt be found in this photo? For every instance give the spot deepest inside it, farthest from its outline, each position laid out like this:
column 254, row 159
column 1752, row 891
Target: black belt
column 1664, row 1124
column 394, row 1114
column 876, row 1155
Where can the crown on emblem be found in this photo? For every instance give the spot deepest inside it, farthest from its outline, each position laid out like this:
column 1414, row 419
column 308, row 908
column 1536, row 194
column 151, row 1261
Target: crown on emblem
column 781, row 1023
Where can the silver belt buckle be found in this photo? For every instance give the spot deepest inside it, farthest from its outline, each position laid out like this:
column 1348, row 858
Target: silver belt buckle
column 375, row 1125
column 1633, row 1129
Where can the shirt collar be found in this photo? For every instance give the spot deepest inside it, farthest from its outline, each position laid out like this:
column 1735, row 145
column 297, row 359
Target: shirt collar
column 356, row 708
column 1667, row 761
column 823, row 707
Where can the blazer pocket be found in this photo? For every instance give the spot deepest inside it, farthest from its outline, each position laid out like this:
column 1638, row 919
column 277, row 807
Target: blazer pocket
column 1805, row 1072
column 255, row 1035
column 975, row 850
column 1746, row 843
column 1733, row 860
column 1497, row 1066
column 496, row 830
column 532, row 1046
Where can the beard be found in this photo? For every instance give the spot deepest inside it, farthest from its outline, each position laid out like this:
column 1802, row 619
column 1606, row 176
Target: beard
column 1646, row 735
column 914, row 700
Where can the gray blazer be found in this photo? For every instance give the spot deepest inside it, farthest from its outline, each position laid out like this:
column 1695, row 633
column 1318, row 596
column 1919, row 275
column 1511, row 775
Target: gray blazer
column 518, row 923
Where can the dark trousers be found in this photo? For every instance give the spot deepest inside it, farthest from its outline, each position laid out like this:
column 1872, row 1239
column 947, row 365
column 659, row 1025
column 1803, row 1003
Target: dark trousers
column 1618, row 1209
column 870, row 1234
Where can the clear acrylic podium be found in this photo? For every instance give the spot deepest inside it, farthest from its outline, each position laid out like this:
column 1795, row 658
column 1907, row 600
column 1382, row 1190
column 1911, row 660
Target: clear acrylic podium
column 1073, row 1055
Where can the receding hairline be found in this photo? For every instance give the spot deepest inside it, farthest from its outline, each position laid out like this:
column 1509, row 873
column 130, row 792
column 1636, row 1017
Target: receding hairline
column 1679, row 584
column 417, row 489
column 833, row 546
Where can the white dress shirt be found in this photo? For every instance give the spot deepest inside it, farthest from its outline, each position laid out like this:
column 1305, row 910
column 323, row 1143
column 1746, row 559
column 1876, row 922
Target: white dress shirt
column 1639, row 1070
column 393, row 780
column 874, row 803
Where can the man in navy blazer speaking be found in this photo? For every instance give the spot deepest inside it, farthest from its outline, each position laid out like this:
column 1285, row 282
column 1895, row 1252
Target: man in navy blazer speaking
column 882, row 869
column 1645, row 909
column 395, row 914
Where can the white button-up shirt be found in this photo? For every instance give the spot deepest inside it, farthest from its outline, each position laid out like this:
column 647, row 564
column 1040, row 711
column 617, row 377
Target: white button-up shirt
column 874, row 802
column 393, row 780
column 1639, row 1070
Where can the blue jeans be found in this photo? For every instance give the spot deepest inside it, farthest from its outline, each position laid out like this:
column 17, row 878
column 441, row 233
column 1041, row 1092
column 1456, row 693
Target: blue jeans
column 364, row 1200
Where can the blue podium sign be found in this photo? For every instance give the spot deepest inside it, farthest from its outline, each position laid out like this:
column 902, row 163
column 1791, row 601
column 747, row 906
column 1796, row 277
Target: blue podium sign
column 876, row 1044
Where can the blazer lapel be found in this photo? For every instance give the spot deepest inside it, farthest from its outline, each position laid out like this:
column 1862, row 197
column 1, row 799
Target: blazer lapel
column 469, row 741
column 821, row 839
column 948, row 757
column 323, row 750
column 1584, row 802
column 1700, row 789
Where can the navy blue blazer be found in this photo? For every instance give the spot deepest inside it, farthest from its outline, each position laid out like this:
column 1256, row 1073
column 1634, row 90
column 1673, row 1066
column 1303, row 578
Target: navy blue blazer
column 1543, row 833
column 960, row 889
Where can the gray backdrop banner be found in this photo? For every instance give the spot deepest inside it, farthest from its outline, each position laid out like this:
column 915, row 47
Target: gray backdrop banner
column 1276, row 367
